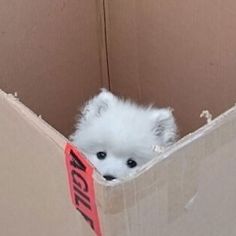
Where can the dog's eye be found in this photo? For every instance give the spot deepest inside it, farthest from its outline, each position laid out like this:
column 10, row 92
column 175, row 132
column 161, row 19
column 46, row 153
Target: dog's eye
column 131, row 163
column 101, row 155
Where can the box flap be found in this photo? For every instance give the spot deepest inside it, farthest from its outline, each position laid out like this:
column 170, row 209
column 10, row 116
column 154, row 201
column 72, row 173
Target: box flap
column 34, row 193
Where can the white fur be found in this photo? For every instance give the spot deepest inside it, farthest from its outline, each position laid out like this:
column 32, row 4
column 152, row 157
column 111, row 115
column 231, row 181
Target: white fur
column 123, row 130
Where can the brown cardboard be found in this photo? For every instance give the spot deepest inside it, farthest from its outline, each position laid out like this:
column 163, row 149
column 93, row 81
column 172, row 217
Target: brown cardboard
column 34, row 195
column 53, row 55
column 192, row 191
column 174, row 53
column 189, row 189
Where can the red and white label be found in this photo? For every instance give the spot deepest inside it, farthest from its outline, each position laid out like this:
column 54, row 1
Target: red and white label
column 80, row 174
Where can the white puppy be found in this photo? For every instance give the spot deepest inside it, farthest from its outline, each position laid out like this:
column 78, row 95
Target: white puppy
column 118, row 136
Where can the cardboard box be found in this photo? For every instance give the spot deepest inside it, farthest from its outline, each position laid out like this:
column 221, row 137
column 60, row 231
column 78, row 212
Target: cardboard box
column 190, row 191
column 146, row 50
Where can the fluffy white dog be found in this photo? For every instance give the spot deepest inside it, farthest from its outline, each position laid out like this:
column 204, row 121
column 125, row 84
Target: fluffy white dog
column 118, row 136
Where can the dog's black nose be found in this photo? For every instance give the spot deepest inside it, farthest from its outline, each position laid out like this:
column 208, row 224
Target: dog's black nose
column 109, row 177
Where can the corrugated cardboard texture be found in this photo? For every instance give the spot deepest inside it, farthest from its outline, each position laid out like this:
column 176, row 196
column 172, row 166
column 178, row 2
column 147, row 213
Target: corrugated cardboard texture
column 192, row 191
column 34, row 194
column 174, row 53
column 52, row 55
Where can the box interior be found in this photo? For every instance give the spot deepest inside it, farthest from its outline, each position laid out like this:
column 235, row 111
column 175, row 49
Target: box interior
column 179, row 55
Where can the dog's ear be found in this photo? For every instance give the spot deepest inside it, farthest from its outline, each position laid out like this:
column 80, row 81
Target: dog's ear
column 164, row 125
column 98, row 104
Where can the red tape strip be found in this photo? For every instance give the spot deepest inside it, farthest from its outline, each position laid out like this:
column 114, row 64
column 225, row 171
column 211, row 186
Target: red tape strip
column 80, row 175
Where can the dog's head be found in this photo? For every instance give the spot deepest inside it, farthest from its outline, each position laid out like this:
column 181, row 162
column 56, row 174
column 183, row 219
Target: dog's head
column 118, row 136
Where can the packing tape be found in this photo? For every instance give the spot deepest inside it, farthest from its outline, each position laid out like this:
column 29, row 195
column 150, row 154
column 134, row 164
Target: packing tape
column 80, row 176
